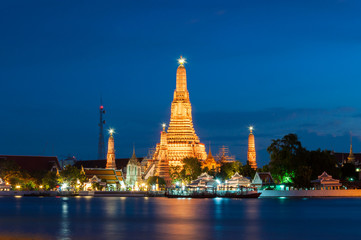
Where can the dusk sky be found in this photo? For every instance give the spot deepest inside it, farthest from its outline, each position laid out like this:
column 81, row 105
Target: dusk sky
column 282, row 66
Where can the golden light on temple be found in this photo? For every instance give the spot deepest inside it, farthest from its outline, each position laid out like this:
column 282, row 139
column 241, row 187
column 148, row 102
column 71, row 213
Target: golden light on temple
column 180, row 140
column 111, row 152
column 251, row 154
column 181, row 61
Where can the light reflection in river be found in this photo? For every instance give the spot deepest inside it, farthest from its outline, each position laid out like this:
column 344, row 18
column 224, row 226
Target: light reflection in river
column 162, row 218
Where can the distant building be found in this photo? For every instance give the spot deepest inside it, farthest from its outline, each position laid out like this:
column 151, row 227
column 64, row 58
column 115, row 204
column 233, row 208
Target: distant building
column 134, row 172
column 326, row 182
column 33, row 164
column 263, row 180
column 211, row 163
column 112, row 178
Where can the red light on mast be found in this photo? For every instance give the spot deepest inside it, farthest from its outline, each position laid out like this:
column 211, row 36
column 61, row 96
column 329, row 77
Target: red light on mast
column 101, row 107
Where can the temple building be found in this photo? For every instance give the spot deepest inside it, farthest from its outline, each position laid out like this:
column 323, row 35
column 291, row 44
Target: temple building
column 111, row 152
column 133, row 173
column 211, row 163
column 251, row 154
column 180, row 140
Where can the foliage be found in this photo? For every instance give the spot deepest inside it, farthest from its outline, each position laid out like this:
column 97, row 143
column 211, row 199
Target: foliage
column 292, row 163
column 10, row 171
column 228, row 169
column 175, row 173
column 247, row 171
column 50, row 180
column 155, row 179
column 71, row 175
column 302, row 177
column 191, row 169
column 348, row 172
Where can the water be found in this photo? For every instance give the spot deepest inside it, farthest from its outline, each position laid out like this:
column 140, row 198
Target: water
column 162, row 218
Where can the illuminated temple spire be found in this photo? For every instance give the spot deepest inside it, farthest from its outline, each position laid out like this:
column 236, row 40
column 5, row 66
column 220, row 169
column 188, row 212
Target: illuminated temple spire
column 182, row 139
column 251, row 155
column 179, row 140
column 111, row 152
column 351, row 157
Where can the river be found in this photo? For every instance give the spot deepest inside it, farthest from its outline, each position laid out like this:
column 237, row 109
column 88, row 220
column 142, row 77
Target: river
column 162, row 218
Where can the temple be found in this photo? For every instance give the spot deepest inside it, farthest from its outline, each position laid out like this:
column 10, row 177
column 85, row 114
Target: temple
column 111, row 152
column 351, row 156
column 180, row 140
column 251, row 154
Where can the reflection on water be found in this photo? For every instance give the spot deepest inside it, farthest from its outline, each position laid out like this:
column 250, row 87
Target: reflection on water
column 162, row 218
column 64, row 232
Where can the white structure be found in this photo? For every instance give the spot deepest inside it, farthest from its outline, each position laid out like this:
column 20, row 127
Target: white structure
column 203, row 181
column 235, row 182
column 263, row 180
column 134, row 172
column 326, row 182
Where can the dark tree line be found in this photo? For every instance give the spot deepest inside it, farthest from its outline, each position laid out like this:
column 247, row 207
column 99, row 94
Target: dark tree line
column 291, row 163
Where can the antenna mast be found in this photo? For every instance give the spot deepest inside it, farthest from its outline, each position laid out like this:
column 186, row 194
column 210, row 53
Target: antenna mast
column 101, row 145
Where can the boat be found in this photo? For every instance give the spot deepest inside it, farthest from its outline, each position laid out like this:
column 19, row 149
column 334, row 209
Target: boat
column 202, row 193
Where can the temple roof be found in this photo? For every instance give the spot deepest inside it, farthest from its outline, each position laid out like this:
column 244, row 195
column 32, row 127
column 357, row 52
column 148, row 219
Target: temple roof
column 121, row 163
column 33, row 163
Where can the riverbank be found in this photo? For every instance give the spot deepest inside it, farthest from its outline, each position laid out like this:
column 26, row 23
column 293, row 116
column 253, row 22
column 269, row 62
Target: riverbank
column 310, row 193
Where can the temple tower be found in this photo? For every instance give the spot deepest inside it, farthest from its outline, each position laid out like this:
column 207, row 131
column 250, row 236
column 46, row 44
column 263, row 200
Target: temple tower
column 162, row 157
column 251, row 154
column 181, row 137
column 111, row 152
column 351, row 157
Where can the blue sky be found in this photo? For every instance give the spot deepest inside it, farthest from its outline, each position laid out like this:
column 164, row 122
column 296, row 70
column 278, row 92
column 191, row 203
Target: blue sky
column 282, row 66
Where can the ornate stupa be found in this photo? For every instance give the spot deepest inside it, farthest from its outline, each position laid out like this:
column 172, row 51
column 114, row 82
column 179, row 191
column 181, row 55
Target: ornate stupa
column 210, row 162
column 111, row 152
column 351, row 157
column 251, row 154
column 180, row 140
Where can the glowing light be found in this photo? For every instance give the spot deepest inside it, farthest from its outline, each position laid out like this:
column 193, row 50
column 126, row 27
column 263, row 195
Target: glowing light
column 219, row 182
column 111, row 131
column 41, row 186
column 181, row 61
column 17, row 186
column 251, row 128
column 64, row 185
column 101, row 107
column 164, row 125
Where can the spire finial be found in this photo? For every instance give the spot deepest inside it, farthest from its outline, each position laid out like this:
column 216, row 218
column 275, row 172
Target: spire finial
column 164, row 125
column 181, row 61
column 250, row 129
column 111, row 131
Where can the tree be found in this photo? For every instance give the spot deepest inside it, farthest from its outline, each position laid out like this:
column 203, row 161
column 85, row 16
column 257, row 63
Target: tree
column 348, row 172
column 228, row 169
column 322, row 161
column 302, row 177
column 156, row 180
column 287, row 155
column 72, row 176
column 175, row 173
column 191, row 169
column 50, row 180
column 248, row 171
